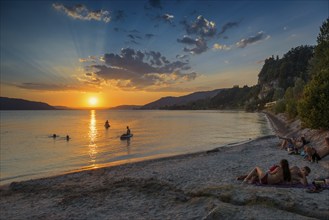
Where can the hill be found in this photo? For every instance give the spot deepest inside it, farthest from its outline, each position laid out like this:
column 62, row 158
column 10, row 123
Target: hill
column 21, row 104
column 167, row 102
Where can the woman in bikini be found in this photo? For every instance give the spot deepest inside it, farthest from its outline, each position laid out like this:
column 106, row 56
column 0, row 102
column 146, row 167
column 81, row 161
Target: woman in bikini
column 275, row 175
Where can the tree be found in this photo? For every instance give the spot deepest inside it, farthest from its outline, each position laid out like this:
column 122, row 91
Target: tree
column 314, row 106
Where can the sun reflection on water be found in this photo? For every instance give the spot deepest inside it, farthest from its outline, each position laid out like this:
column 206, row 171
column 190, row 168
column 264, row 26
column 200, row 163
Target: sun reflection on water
column 92, row 139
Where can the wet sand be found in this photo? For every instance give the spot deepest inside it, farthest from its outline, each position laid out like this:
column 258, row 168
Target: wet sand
column 195, row 186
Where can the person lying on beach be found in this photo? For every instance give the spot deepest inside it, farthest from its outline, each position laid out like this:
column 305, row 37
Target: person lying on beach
column 274, row 175
column 299, row 175
column 314, row 155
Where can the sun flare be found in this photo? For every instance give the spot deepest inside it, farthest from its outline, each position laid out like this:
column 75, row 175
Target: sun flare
column 92, row 101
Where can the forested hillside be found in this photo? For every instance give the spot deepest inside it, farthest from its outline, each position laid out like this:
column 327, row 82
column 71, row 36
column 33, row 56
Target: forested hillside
column 298, row 84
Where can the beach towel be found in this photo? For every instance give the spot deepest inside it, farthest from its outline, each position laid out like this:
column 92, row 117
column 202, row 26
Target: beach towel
column 311, row 188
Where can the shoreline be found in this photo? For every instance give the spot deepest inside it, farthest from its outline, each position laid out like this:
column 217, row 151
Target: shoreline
column 138, row 160
column 199, row 185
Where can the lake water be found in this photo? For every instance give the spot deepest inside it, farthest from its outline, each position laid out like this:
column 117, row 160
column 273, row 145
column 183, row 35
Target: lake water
column 28, row 151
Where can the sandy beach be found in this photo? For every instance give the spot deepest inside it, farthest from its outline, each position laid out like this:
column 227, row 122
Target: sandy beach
column 195, row 186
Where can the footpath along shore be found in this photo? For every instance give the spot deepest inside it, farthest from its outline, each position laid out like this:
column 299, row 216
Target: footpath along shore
column 194, row 186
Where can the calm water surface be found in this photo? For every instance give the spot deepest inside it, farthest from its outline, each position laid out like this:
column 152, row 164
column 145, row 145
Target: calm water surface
column 28, row 150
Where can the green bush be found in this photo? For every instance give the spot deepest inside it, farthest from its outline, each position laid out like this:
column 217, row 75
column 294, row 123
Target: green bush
column 291, row 108
column 314, row 107
column 280, row 106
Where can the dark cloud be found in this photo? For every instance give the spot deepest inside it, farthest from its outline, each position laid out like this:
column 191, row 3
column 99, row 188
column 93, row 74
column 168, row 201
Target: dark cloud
column 153, row 4
column 119, row 15
column 228, row 26
column 55, row 87
column 133, row 38
column 149, row 36
column 182, row 56
column 81, row 12
column 200, row 45
column 187, row 40
column 200, row 27
column 134, row 31
column 252, row 39
column 202, row 30
column 133, row 69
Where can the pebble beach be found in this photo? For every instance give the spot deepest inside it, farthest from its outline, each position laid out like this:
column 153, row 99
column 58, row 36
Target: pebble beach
column 194, row 186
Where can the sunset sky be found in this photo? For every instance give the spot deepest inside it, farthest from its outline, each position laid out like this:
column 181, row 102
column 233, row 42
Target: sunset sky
column 134, row 52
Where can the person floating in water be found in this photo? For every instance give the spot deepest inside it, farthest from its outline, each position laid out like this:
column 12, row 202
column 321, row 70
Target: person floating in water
column 55, row 135
column 67, row 138
column 128, row 130
column 107, row 124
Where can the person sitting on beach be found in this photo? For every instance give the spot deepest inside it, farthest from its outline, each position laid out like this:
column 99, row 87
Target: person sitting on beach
column 314, row 155
column 288, row 143
column 311, row 154
column 303, row 141
column 275, row 175
column 298, row 175
column 128, row 130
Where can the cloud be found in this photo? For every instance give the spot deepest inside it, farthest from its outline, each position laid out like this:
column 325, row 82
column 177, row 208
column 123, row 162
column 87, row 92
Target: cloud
column 217, row 46
column 187, row 40
column 134, row 31
column 134, row 36
column 200, row 44
column 202, row 30
column 167, row 18
column 88, row 59
column 252, row 39
column 56, row 87
column 119, row 15
column 149, row 36
column 139, row 70
column 81, row 12
column 153, row 4
column 182, row 56
column 200, row 27
column 227, row 26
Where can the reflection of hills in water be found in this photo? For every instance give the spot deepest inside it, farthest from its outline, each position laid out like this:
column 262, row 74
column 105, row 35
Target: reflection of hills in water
column 26, row 146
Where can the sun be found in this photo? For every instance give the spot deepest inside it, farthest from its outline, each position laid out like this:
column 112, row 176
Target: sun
column 93, row 101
